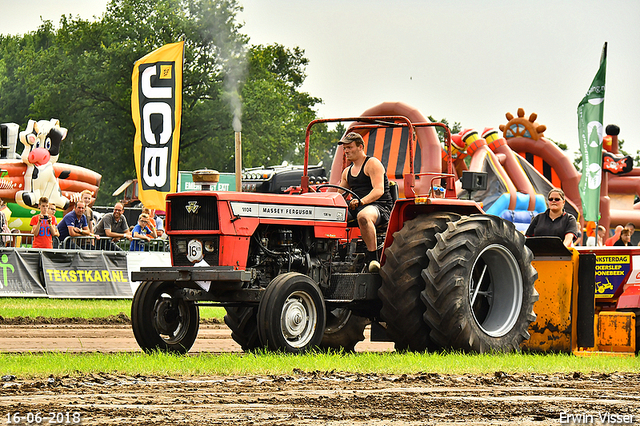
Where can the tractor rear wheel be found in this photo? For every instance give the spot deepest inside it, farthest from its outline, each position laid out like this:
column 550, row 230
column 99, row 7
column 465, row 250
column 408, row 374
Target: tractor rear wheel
column 480, row 286
column 291, row 314
column 161, row 321
column 343, row 330
column 402, row 283
column 243, row 323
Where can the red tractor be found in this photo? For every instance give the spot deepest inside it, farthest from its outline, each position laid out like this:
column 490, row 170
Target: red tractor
column 289, row 268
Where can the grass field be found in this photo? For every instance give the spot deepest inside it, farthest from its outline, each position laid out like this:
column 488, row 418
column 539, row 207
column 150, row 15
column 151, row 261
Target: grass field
column 159, row 364
column 58, row 364
column 79, row 308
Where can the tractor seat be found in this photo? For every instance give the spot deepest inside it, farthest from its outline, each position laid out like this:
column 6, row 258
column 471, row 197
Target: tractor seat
column 382, row 227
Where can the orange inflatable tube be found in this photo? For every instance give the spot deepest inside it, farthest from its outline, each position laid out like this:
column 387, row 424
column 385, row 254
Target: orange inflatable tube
column 430, row 149
column 511, row 165
column 71, row 179
column 479, row 151
column 558, row 160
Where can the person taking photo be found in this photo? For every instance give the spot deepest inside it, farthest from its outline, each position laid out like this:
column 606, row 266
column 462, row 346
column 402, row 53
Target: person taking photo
column 43, row 226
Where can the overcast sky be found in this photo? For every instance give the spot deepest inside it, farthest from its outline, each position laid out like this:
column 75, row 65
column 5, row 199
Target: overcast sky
column 467, row 61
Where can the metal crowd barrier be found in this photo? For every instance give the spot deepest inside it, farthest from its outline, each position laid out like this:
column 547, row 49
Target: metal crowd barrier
column 155, row 245
column 78, row 243
column 16, row 239
column 25, row 240
column 90, row 243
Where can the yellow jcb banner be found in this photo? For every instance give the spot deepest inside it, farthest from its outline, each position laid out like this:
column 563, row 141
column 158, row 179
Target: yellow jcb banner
column 156, row 107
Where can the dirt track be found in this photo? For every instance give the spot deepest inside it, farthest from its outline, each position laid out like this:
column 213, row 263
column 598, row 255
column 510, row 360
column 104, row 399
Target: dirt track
column 300, row 398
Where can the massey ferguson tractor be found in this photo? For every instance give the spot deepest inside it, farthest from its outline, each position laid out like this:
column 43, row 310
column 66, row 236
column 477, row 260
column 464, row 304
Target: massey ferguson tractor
column 289, row 268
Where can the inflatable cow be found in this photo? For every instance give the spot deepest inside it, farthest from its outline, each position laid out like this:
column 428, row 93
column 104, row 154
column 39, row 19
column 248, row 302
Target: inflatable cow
column 41, row 142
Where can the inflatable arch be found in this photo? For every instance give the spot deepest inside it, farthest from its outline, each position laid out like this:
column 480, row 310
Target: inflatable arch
column 391, row 147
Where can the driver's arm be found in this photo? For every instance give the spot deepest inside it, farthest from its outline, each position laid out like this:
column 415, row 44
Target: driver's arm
column 343, row 183
column 375, row 170
column 343, row 179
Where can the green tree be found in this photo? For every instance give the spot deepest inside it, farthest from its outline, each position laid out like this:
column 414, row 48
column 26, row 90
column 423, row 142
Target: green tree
column 81, row 74
column 18, row 56
column 455, row 128
column 276, row 112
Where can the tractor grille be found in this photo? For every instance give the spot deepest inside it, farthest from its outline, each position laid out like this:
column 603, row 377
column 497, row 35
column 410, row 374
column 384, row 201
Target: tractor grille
column 197, row 213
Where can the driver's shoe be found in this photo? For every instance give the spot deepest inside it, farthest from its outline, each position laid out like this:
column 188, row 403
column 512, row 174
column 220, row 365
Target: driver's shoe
column 371, row 259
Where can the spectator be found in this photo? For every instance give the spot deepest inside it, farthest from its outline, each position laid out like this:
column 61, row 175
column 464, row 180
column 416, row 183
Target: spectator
column 43, row 227
column 74, row 224
column 156, row 221
column 112, row 228
column 632, row 228
column 144, row 230
column 616, row 236
column 87, row 196
column 52, row 214
column 602, row 233
column 4, row 223
column 625, row 238
column 590, row 233
column 555, row 221
column 159, row 223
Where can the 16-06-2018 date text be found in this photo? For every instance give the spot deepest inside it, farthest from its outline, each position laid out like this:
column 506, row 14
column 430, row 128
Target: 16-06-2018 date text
column 38, row 418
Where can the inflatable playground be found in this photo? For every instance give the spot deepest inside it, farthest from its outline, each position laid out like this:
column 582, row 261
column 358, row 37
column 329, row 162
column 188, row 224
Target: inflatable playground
column 521, row 166
column 35, row 173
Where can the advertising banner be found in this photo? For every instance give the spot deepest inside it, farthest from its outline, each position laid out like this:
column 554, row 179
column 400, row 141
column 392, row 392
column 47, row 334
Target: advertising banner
column 156, row 108
column 590, row 132
column 20, row 274
column 86, row 274
column 611, row 272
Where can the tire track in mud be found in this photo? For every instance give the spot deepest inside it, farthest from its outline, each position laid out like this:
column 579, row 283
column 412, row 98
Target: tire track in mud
column 301, row 398
column 328, row 398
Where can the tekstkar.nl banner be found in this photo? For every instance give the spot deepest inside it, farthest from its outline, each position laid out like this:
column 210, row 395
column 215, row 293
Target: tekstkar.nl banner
column 86, row 274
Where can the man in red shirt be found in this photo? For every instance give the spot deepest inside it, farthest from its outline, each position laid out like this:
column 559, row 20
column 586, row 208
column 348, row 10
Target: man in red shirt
column 43, row 226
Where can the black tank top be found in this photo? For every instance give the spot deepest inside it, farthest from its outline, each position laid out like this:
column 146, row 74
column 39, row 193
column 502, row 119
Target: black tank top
column 361, row 185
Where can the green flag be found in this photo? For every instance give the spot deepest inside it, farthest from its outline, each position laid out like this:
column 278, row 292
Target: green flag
column 590, row 129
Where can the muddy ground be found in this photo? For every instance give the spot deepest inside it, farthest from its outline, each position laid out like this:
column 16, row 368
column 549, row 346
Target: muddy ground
column 317, row 398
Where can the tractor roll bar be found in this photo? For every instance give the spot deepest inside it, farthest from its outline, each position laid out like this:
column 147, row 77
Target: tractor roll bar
column 380, row 122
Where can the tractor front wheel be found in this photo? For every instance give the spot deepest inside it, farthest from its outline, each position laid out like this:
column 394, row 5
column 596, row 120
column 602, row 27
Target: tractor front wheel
column 291, row 314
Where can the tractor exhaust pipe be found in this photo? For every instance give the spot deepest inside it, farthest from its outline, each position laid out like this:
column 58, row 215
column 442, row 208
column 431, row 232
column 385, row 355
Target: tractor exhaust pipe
column 238, row 161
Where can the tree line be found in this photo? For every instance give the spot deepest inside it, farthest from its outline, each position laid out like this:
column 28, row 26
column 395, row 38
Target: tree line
column 80, row 73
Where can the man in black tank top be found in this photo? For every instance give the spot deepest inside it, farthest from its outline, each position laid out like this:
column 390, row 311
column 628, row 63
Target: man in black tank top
column 368, row 179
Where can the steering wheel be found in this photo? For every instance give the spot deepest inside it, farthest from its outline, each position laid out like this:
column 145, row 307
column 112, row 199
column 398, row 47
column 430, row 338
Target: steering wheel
column 348, row 191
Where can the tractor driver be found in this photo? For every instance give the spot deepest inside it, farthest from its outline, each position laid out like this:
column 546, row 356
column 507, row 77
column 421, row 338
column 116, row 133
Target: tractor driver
column 367, row 178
